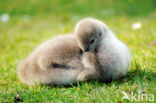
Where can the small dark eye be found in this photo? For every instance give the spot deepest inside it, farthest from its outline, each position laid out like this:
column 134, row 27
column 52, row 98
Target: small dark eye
column 92, row 41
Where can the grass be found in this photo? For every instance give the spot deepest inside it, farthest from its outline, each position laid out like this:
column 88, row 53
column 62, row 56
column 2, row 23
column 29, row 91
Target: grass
column 20, row 35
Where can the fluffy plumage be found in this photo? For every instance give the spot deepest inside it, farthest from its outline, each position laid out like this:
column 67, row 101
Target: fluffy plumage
column 112, row 54
column 57, row 61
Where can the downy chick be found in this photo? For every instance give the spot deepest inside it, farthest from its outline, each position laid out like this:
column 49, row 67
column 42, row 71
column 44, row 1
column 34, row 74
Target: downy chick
column 112, row 54
column 57, row 61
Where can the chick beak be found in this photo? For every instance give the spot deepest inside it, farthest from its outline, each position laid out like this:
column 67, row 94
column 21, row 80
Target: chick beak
column 87, row 49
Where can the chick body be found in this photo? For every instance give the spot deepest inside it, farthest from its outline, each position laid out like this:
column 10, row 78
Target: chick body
column 56, row 61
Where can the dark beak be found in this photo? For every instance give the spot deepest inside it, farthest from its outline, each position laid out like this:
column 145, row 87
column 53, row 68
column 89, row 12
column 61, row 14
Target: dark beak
column 87, row 49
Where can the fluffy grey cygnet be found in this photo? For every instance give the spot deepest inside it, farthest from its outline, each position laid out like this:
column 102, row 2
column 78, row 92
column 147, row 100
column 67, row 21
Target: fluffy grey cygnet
column 112, row 54
column 58, row 61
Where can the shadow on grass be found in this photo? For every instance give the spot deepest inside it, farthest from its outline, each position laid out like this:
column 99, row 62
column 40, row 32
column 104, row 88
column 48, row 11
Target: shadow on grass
column 141, row 75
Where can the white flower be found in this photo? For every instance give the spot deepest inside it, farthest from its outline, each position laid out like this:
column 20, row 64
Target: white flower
column 136, row 26
column 5, row 18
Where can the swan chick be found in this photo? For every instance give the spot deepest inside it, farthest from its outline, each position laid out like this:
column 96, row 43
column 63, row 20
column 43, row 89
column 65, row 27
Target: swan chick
column 57, row 61
column 112, row 54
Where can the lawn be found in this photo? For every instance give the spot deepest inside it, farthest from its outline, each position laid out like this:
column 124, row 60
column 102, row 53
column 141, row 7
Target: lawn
column 32, row 22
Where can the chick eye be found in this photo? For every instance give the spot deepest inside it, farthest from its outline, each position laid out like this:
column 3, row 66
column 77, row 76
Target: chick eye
column 92, row 41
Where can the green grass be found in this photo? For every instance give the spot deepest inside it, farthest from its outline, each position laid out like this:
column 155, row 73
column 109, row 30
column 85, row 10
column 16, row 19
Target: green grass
column 48, row 18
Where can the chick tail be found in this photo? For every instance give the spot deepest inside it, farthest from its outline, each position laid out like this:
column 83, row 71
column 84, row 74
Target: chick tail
column 21, row 71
